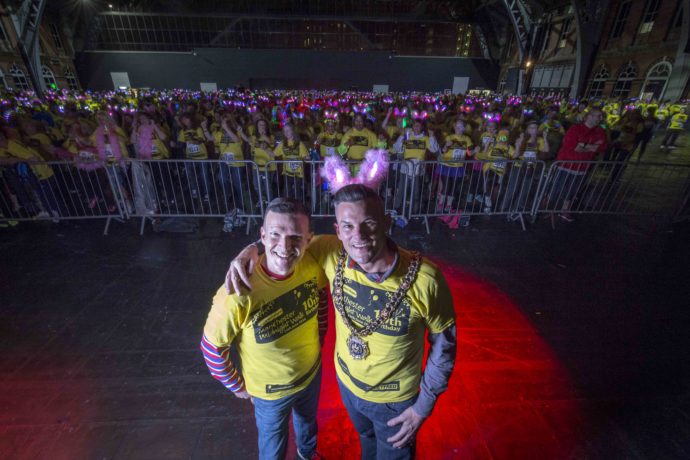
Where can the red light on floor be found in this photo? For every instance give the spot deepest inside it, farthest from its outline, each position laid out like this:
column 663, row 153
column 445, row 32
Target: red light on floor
column 508, row 398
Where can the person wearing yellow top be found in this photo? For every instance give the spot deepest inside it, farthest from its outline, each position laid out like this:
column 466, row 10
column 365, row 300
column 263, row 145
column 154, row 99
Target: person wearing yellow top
column 38, row 177
column 277, row 330
column 293, row 152
column 233, row 175
column 394, row 131
column 149, row 144
column 494, row 170
column 110, row 142
column 109, row 139
column 262, row 144
column 379, row 344
column 413, row 146
column 555, row 132
column 328, row 140
column 485, row 141
column 675, row 127
column 38, row 140
column 193, row 144
column 449, row 175
column 148, row 138
column 529, row 146
column 357, row 140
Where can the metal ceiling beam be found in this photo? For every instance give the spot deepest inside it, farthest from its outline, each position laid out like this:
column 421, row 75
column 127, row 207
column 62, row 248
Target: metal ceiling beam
column 680, row 75
column 229, row 28
column 589, row 20
column 522, row 23
column 481, row 38
column 27, row 23
column 294, row 17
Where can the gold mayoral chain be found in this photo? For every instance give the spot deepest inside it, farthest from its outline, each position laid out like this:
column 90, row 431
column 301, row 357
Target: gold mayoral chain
column 355, row 343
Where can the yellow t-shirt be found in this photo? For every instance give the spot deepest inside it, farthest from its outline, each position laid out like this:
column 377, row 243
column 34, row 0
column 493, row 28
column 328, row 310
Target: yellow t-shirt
column 678, row 121
column 227, row 148
column 44, row 141
column 116, row 135
column 392, row 371
column 328, row 143
column 195, row 143
column 260, row 154
column 485, row 139
column 459, row 144
column 415, row 148
column 275, row 329
column 362, row 140
column 17, row 150
column 553, row 126
column 497, row 153
column 530, row 153
column 393, row 133
column 159, row 151
column 294, row 150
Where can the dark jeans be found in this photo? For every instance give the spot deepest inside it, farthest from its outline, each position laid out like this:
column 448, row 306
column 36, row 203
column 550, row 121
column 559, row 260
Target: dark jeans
column 235, row 187
column 370, row 420
column 522, row 181
column 198, row 177
column 272, row 421
column 670, row 137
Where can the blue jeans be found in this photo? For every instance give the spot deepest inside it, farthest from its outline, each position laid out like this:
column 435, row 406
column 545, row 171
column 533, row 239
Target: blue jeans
column 370, row 420
column 272, row 421
column 236, row 192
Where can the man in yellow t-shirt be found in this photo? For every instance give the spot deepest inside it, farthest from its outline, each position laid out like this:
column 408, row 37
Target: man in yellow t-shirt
column 357, row 140
column 675, row 127
column 233, row 175
column 192, row 141
column 413, row 145
column 293, row 152
column 380, row 344
column 277, row 330
column 329, row 140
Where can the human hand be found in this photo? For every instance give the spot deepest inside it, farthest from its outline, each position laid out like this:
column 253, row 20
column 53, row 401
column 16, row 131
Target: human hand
column 242, row 394
column 410, row 423
column 240, row 268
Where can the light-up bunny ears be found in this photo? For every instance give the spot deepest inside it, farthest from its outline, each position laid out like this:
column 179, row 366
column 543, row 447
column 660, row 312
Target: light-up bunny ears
column 372, row 171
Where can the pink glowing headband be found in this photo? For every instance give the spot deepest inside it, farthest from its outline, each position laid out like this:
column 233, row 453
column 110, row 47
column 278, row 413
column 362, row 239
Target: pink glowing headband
column 372, row 171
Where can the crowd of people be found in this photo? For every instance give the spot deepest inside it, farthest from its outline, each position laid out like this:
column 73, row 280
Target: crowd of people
column 97, row 132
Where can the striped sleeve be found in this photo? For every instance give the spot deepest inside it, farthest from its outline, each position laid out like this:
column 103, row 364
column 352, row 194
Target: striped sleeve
column 323, row 314
column 221, row 367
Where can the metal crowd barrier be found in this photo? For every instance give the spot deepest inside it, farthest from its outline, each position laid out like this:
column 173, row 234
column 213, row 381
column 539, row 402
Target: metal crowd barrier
column 194, row 188
column 461, row 189
column 238, row 191
column 60, row 190
column 617, row 188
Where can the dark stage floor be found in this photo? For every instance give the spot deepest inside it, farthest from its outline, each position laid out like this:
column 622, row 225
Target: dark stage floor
column 573, row 344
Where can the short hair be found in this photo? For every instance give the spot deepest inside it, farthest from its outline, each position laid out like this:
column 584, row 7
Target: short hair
column 355, row 192
column 287, row 206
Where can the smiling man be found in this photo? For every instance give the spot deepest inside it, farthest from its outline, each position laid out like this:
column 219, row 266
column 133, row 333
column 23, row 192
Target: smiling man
column 386, row 299
column 277, row 330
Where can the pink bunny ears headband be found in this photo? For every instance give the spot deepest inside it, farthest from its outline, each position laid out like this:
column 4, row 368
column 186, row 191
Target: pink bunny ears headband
column 372, row 171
